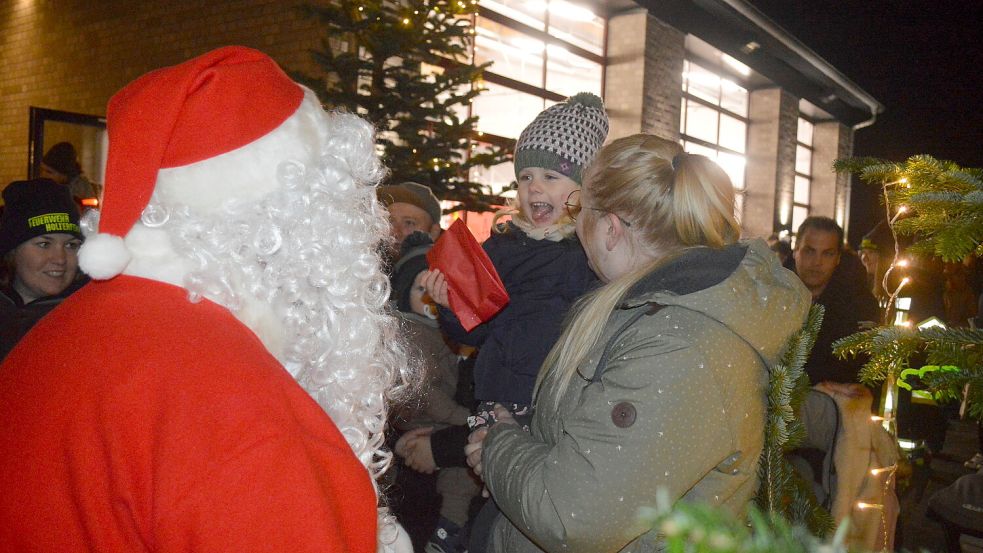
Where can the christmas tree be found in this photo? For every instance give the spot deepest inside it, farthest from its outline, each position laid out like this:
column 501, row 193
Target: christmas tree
column 406, row 66
column 940, row 206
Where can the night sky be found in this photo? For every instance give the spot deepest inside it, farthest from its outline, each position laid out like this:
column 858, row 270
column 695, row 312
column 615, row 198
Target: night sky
column 920, row 59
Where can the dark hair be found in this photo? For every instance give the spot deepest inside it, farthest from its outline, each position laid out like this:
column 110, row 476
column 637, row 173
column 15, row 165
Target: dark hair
column 821, row 224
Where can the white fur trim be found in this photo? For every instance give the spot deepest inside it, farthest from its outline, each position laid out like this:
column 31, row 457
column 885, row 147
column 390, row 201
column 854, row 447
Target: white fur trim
column 154, row 256
column 246, row 173
column 103, row 256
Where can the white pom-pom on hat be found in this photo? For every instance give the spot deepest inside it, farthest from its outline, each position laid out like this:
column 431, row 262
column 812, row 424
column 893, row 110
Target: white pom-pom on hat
column 103, row 256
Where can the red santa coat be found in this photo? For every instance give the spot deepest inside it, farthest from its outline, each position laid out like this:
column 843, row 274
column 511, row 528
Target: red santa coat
column 134, row 420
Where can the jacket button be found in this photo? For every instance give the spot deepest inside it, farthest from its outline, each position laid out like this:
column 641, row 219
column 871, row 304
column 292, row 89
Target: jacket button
column 623, row 415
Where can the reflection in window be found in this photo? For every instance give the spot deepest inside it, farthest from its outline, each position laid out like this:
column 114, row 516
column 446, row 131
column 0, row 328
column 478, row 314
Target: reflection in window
column 701, row 121
column 523, row 11
column 799, row 214
column 504, row 111
column 576, row 24
column 803, row 173
column 514, row 55
column 497, row 179
column 561, row 56
column 803, row 160
column 713, row 123
column 804, row 132
column 733, row 133
column 569, row 73
column 802, row 186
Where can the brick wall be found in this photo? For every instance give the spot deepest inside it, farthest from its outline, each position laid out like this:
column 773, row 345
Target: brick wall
column 644, row 78
column 830, row 194
column 773, row 120
column 73, row 55
column 665, row 50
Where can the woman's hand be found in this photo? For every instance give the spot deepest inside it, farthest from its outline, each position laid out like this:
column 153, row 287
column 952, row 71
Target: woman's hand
column 476, row 439
column 436, row 286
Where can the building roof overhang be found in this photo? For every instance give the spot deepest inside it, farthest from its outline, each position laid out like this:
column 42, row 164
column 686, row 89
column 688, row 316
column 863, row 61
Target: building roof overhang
column 741, row 30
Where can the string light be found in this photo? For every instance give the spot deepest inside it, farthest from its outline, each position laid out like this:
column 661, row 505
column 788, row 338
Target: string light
column 863, row 506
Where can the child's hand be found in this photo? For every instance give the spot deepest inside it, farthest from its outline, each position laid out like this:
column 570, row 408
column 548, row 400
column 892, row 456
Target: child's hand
column 503, row 415
column 436, row 286
column 473, row 450
column 406, row 442
column 414, row 448
column 421, row 456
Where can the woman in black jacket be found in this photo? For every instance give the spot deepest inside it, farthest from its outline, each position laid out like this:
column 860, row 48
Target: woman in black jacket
column 39, row 242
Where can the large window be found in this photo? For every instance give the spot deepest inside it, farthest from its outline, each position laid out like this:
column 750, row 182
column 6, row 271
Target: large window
column 714, row 122
column 542, row 52
column 803, row 173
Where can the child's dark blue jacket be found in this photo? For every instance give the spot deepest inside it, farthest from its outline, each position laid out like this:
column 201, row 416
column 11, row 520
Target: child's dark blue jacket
column 543, row 279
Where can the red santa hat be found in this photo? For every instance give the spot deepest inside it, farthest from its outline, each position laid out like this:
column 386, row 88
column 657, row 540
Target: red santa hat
column 178, row 116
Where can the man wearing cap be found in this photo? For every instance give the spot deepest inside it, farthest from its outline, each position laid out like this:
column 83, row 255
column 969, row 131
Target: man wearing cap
column 222, row 383
column 61, row 165
column 412, row 208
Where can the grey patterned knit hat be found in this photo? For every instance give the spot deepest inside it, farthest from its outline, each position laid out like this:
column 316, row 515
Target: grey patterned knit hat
column 564, row 137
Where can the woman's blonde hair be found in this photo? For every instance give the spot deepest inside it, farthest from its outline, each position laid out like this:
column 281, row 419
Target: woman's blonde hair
column 672, row 200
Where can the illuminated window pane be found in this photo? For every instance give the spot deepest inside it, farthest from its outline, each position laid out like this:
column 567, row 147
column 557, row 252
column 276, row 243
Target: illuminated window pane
column 701, row 121
column 514, row 54
column 497, row 178
column 803, row 160
column 733, row 133
column 801, row 194
column 576, row 24
column 702, row 83
column 734, row 166
column 530, row 13
column 799, row 214
column 733, row 97
column 504, row 111
column 805, row 130
column 569, row 74
column 700, row 150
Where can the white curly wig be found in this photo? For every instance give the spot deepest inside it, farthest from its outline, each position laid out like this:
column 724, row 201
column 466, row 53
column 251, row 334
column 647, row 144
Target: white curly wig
column 295, row 259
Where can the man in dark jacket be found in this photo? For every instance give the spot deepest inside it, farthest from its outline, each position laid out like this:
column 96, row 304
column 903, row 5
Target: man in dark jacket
column 837, row 280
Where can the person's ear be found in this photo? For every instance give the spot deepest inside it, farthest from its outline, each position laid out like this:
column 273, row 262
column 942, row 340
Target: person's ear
column 435, row 231
column 615, row 231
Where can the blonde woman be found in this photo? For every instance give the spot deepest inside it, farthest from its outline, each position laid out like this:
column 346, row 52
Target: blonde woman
column 658, row 378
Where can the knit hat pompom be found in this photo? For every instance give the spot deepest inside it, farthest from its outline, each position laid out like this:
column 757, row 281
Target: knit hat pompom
column 564, row 137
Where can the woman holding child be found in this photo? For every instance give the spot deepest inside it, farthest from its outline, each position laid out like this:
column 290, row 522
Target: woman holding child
column 657, row 380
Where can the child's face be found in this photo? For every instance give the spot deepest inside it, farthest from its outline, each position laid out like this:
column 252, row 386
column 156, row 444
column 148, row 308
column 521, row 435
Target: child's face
column 420, row 302
column 542, row 193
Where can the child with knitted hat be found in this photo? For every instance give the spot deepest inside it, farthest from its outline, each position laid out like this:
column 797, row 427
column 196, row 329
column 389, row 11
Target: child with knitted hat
column 536, row 254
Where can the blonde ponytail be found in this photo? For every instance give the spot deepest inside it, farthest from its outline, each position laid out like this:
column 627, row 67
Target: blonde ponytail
column 673, row 201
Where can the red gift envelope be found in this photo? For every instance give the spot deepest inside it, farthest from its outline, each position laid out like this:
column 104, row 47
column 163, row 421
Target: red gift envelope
column 474, row 290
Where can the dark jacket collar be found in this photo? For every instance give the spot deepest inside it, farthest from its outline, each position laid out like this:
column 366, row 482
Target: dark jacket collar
column 694, row 270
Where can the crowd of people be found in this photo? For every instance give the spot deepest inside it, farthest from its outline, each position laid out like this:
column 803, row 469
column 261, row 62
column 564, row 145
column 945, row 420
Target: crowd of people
column 263, row 333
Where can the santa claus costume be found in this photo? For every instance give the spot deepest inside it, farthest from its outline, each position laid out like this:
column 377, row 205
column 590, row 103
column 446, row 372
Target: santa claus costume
column 221, row 384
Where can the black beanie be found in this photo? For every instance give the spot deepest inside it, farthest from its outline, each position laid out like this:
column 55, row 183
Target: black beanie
column 412, row 261
column 62, row 158
column 36, row 207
